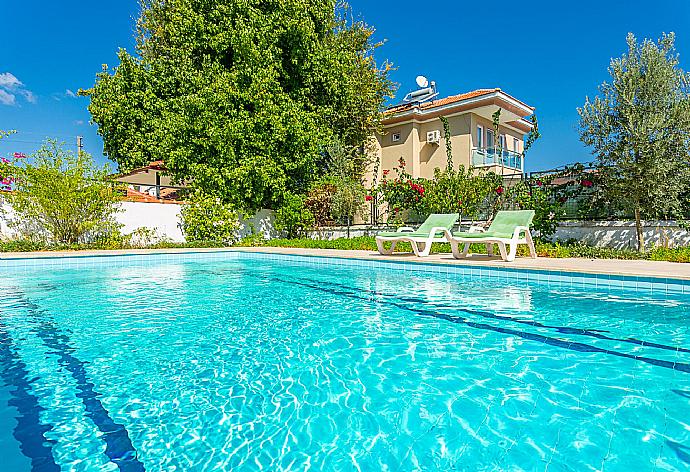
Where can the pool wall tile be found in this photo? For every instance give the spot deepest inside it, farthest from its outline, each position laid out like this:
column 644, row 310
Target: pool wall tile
column 646, row 285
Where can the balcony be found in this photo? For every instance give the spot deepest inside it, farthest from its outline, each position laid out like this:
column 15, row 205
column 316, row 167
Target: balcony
column 482, row 157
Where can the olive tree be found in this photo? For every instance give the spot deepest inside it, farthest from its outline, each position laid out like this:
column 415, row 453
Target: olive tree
column 639, row 130
column 349, row 198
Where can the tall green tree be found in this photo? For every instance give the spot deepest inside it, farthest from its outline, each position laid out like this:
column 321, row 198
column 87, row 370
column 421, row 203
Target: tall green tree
column 241, row 96
column 639, row 130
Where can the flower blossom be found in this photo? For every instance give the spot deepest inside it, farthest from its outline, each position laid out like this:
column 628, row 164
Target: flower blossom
column 499, row 190
column 587, row 183
column 416, row 187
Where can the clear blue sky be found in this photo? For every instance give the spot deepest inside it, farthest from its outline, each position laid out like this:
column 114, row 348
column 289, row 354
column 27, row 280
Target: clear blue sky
column 548, row 54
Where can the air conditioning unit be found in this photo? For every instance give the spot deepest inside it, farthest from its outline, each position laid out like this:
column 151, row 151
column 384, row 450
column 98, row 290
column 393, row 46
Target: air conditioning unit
column 433, row 137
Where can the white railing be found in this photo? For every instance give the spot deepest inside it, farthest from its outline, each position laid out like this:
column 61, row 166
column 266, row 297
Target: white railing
column 482, row 157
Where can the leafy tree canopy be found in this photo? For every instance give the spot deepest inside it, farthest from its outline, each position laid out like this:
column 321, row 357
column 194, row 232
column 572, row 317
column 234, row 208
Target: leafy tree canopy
column 639, row 129
column 241, row 96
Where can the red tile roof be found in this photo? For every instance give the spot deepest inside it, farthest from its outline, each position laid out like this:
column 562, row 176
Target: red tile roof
column 167, row 196
column 458, row 98
column 155, row 165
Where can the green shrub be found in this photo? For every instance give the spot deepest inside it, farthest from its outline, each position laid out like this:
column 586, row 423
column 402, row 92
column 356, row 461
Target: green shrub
column 60, row 197
column 23, row 245
column 535, row 194
column 293, row 217
column 348, row 200
column 207, row 218
column 681, row 254
column 461, row 191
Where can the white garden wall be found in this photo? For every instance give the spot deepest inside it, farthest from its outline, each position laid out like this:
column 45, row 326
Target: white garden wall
column 613, row 234
column 164, row 218
column 6, row 214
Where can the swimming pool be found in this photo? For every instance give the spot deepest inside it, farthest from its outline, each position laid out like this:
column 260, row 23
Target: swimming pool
column 236, row 361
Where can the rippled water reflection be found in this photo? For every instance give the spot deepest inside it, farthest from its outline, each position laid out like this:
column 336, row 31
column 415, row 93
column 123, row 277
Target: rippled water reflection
column 255, row 365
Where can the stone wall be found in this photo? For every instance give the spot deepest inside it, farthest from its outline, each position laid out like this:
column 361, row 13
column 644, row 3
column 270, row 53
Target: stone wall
column 622, row 234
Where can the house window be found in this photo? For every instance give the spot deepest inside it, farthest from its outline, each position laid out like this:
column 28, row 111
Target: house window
column 480, row 137
column 489, row 139
column 516, row 145
column 396, row 137
column 502, row 142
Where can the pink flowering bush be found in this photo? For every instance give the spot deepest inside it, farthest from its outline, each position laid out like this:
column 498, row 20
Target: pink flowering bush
column 8, row 171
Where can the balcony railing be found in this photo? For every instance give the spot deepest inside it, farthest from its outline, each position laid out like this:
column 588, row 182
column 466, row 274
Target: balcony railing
column 482, row 157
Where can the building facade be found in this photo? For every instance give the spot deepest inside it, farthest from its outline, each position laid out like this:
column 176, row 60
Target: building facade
column 415, row 133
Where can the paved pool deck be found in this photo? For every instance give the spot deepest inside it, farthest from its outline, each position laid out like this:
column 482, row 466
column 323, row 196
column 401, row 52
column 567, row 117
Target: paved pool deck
column 590, row 266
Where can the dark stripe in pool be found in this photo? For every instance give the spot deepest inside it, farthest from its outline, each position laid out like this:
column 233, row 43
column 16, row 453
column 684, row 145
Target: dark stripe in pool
column 29, row 432
column 573, row 346
column 119, row 448
column 561, row 329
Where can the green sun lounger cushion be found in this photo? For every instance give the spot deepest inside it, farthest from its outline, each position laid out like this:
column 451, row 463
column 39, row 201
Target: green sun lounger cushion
column 503, row 226
column 435, row 220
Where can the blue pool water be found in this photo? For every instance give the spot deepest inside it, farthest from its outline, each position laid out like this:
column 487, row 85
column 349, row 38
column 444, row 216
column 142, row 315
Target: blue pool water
column 243, row 362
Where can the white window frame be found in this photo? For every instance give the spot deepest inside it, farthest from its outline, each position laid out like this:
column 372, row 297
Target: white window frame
column 516, row 145
column 480, row 137
column 489, row 142
column 396, row 137
column 502, row 141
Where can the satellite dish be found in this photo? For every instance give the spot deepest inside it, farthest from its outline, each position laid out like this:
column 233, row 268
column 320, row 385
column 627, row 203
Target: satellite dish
column 422, row 81
column 426, row 92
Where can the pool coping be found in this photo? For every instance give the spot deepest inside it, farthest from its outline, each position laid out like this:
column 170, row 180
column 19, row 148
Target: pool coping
column 605, row 267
